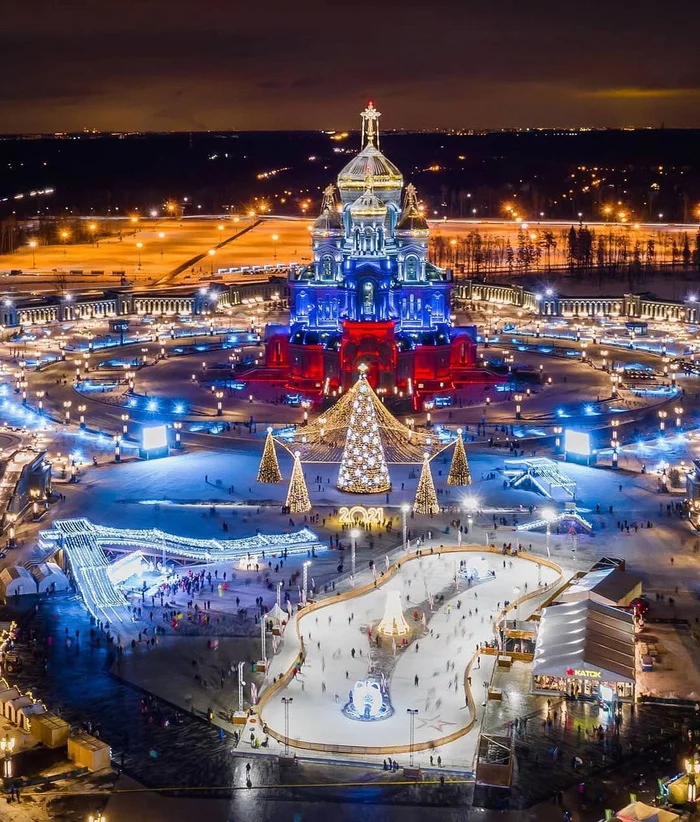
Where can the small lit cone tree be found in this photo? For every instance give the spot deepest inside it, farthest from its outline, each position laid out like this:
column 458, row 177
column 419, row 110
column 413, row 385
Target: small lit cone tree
column 459, row 473
column 298, row 500
column 269, row 471
column 393, row 622
column 426, row 501
column 363, row 468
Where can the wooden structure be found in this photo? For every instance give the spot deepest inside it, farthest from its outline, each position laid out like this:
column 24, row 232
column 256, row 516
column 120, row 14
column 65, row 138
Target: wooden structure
column 89, row 752
column 50, row 730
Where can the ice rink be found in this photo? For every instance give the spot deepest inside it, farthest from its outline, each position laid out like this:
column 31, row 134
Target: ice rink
column 429, row 674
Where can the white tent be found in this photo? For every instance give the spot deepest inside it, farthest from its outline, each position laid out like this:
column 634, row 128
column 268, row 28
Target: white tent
column 16, row 581
column 49, row 577
column 639, row 812
column 278, row 614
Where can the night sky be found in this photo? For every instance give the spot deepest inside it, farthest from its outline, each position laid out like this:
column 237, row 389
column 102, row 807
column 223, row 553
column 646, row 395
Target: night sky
column 180, row 64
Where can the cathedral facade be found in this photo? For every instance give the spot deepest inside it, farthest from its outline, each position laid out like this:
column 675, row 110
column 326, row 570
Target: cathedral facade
column 371, row 296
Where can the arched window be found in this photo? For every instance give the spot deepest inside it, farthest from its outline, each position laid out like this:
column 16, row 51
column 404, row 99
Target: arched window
column 327, row 267
column 411, row 268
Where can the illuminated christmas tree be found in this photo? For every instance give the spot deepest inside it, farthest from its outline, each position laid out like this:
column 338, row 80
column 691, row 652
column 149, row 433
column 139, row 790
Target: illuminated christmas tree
column 269, row 471
column 426, row 501
column 298, row 496
column 459, row 467
column 363, row 468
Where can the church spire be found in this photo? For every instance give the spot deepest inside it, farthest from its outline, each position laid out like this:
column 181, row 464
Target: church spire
column 370, row 125
column 328, row 203
column 410, row 203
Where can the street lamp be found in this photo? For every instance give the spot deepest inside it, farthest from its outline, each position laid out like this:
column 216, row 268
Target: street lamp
column 211, row 252
column 405, row 508
column 679, row 414
column 518, row 399
column 125, row 428
column 130, row 377
column 286, row 701
column 305, row 580
column 662, row 421
column 66, row 409
column 692, row 768
column 40, row 397
column 219, row 406
column 548, row 516
column 139, row 246
column 177, row 426
column 161, row 237
column 411, row 739
column 33, row 244
column 275, row 238
column 81, row 411
column 354, row 534
column 117, row 448
column 98, row 817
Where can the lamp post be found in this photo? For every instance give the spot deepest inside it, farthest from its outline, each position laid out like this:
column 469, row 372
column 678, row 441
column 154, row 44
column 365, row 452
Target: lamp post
column 161, row 237
column 219, row 407
column 692, row 769
column 97, row 817
column 679, row 414
column 40, row 396
column 548, row 515
column 139, row 246
column 211, row 252
column 178, row 441
column 286, row 701
column 125, row 424
column 662, row 421
column 518, row 399
column 117, row 448
column 305, row 580
column 8, row 745
column 66, row 411
column 614, row 443
column 412, row 732
column 354, row 534
column 33, row 245
column 241, row 683
column 81, row 411
column 130, row 377
column 405, row 508
column 275, row 239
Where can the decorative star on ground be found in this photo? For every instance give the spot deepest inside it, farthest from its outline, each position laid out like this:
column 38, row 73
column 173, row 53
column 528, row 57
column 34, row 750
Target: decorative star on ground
column 433, row 722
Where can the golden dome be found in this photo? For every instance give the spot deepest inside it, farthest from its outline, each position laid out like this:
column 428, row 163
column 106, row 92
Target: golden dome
column 370, row 162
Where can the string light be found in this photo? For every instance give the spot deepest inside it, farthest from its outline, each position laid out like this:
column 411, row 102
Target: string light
column 363, row 468
column 426, row 501
column 269, row 471
column 298, row 500
column 459, row 473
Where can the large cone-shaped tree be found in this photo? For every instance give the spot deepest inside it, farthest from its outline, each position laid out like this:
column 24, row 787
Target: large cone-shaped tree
column 298, row 500
column 269, row 471
column 426, row 501
column 459, row 473
column 363, row 468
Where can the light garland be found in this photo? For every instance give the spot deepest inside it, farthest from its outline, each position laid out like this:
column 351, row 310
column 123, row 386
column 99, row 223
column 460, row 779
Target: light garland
column 426, row 501
column 459, row 473
column 298, row 500
column 363, row 468
column 269, row 471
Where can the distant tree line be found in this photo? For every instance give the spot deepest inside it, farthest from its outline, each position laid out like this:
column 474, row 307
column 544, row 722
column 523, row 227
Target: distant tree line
column 577, row 250
column 16, row 234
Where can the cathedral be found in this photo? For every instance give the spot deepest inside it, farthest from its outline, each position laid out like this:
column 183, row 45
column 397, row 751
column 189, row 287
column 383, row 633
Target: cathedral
column 370, row 296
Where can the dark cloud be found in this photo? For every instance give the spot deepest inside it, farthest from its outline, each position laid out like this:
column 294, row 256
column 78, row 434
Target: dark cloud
column 143, row 64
